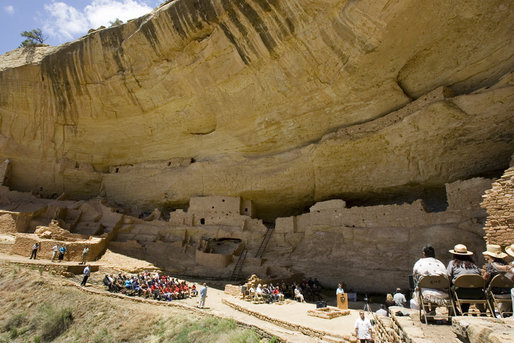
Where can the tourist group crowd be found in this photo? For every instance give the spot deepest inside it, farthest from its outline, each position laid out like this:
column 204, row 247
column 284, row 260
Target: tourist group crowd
column 305, row 290
column 150, row 285
column 462, row 263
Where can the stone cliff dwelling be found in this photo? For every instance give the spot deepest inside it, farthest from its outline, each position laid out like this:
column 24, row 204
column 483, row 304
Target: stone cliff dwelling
column 278, row 138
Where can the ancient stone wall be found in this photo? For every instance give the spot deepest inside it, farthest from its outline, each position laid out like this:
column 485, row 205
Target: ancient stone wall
column 360, row 245
column 499, row 203
column 24, row 242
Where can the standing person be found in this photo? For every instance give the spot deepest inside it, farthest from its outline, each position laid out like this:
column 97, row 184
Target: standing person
column 399, row 298
column 203, row 295
column 363, row 328
column 339, row 293
column 87, row 272
column 84, row 255
column 62, row 251
column 35, row 248
column 55, row 249
column 389, row 301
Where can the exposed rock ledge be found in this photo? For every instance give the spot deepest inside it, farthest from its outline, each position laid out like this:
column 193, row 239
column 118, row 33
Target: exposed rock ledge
column 281, row 102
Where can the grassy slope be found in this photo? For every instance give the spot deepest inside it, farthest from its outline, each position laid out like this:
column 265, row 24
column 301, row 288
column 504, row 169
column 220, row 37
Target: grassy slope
column 39, row 307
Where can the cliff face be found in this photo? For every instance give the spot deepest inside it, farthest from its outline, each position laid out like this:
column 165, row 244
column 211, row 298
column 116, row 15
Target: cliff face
column 281, row 102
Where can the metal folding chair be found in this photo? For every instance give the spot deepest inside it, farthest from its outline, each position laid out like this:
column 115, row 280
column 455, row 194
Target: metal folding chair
column 469, row 289
column 427, row 307
column 496, row 299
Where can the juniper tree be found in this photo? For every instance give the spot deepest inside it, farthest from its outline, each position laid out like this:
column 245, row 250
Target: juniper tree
column 33, row 37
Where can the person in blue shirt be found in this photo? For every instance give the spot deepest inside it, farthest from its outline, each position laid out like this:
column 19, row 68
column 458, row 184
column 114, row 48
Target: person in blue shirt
column 203, row 295
column 62, row 251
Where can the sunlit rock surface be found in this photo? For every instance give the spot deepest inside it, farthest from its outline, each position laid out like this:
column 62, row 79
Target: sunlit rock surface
column 281, row 102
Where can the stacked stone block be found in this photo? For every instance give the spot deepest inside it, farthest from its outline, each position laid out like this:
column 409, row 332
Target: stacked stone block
column 499, row 203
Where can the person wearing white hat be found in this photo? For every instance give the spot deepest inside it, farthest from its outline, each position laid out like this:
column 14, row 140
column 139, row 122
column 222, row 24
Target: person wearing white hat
column 494, row 261
column 462, row 264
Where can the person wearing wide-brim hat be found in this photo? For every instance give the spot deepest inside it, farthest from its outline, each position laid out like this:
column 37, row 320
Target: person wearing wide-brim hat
column 461, row 263
column 460, row 249
column 494, row 261
column 510, row 250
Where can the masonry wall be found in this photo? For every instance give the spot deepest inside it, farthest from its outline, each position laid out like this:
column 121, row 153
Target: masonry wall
column 499, row 203
column 374, row 248
column 24, row 242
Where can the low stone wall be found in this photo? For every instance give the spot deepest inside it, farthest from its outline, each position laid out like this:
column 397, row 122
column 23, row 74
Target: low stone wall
column 484, row 329
column 212, row 260
column 233, row 290
column 303, row 329
column 24, row 242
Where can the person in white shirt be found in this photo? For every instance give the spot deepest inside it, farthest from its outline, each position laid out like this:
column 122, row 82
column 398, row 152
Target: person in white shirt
column 382, row 311
column 55, row 249
column 363, row 328
column 399, row 298
column 428, row 265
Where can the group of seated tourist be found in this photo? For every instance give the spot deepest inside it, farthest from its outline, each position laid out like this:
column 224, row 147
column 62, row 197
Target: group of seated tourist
column 306, row 289
column 158, row 287
column 462, row 263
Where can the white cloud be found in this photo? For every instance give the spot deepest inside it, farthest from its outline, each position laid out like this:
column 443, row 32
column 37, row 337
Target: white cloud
column 65, row 22
column 9, row 9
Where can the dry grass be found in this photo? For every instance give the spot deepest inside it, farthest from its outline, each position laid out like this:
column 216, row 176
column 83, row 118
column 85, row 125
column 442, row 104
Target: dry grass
column 42, row 307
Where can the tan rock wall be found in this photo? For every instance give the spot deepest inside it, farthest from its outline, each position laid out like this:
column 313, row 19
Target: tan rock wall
column 499, row 203
column 290, row 102
column 24, row 243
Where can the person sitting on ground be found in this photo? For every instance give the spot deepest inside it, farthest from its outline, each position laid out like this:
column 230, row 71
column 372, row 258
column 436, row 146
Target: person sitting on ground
column 382, row 311
column 277, row 295
column 428, row 265
column 399, row 298
column 462, row 264
column 107, row 282
column 194, row 292
column 298, row 295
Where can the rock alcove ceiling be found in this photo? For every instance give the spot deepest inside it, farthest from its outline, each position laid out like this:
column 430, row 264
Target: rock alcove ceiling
column 282, row 102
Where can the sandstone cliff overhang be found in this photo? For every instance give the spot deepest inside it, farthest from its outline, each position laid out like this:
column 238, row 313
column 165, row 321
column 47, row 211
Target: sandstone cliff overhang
column 281, row 102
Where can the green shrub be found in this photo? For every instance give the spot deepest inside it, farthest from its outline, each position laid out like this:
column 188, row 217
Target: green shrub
column 53, row 322
column 103, row 337
column 13, row 333
column 15, row 322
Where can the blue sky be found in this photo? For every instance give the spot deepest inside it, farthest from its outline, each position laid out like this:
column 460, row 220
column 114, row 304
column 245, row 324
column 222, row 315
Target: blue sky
column 63, row 20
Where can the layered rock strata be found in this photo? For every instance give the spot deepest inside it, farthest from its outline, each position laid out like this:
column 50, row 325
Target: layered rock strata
column 284, row 103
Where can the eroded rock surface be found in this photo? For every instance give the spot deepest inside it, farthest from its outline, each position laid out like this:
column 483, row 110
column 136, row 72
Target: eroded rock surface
column 284, row 103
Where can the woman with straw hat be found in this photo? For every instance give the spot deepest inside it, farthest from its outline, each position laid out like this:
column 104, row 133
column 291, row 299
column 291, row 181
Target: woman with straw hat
column 494, row 261
column 462, row 264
